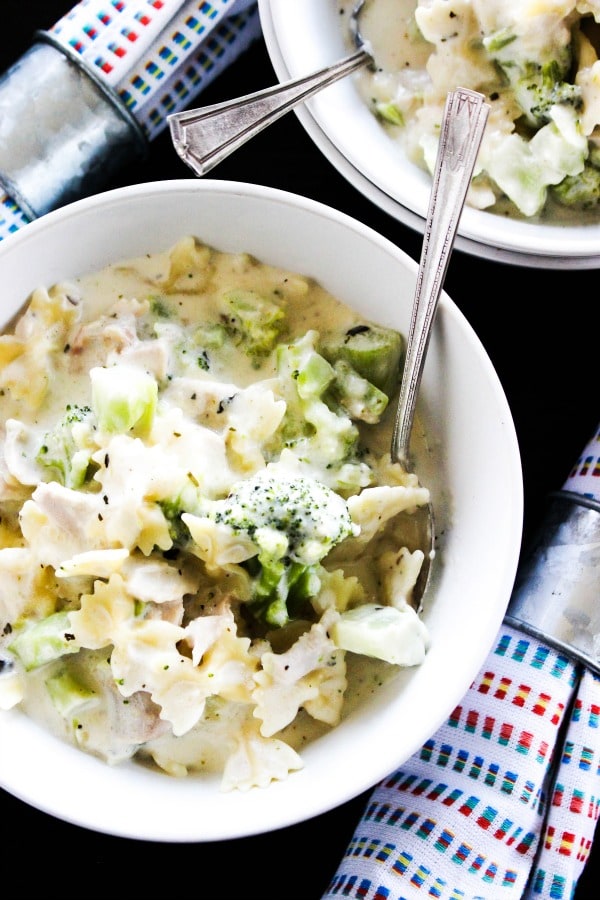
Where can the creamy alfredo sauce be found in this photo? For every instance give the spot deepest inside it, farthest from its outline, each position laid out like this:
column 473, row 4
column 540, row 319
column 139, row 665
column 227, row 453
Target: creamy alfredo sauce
column 176, row 432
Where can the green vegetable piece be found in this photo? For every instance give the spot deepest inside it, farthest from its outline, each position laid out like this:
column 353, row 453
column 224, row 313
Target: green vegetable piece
column 44, row 641
column 579, row 191
column 210, row 337
column 123, row 398
column 59, row 452
column 254, row 322
column 375, row 352
column 314, row 377
column 361, row 399
column 384, row 632
column 67, row 693
column 389, row 113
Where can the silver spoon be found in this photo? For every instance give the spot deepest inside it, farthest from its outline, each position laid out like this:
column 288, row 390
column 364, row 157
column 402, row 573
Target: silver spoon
column 205, row 136
column 463, row 124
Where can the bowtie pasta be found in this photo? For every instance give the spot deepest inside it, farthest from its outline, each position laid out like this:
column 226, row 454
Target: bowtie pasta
column 203, row 541
column 537, row 64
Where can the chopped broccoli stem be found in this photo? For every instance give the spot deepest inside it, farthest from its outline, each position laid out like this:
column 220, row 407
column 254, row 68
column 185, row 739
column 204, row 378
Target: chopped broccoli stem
column 123, row 398
column 210, row 337
column 389, row 113
column 373, row 351
column 67, row 693
column 44, row 641
column 361, row 399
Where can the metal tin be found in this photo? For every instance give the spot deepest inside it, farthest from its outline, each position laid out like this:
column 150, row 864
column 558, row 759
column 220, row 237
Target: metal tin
column 63, row 133
column 556, row 596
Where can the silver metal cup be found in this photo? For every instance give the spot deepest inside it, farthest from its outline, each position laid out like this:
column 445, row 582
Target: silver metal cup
column 556, row 596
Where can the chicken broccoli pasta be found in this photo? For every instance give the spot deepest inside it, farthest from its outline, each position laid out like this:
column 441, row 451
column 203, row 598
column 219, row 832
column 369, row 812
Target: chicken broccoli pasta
column 537, row 64
column 205, row 547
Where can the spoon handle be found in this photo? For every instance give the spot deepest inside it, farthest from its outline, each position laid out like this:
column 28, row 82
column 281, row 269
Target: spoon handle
column 463, row 124
column 204, row 137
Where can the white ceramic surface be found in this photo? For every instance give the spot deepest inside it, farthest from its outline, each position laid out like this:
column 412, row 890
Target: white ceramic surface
column 473, row 468
column 304, row 37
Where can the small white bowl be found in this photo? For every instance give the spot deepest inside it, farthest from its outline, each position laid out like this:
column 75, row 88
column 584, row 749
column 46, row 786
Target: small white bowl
column 304, row 37
column 473, row 469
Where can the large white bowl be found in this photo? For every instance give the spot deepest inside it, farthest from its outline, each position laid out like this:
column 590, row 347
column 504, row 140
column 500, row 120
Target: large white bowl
column 473, row 469
column 304, row 37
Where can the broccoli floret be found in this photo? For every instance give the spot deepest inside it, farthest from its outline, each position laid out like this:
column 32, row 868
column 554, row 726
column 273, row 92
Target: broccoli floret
column 61, row 453
column 537, row 85
column 540, row 87
column 294, row 522
column 253, row 323
column 579, row 191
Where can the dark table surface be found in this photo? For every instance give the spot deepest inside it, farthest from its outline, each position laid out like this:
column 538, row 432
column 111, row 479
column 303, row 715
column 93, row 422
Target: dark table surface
column 541, row 330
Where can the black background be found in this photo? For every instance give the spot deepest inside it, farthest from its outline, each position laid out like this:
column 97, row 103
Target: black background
column 541, row 330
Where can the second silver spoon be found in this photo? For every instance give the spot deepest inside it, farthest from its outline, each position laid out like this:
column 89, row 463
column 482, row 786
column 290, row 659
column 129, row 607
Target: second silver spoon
column 205, row 136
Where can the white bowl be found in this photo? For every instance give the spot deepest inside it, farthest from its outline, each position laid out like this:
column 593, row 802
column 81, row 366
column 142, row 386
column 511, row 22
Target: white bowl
column 473, row 469
column 304, row 37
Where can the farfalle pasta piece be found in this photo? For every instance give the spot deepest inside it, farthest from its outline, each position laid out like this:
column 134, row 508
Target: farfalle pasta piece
column 133, row 479
column 42, row 330
column 93, row 563
column 338, row 591
column 97, row 623
column 21, row 444
column 145, row 658
column 180, row 438
column 373, row 507
column 253, row 416
column 50, row 315
column 217, row 544
column 25, row 588
column 257, row 761
column 181, row 695
column 399, row 572
column 331, row 683
column 58, row 523
column 299, row 677
column 189, row 267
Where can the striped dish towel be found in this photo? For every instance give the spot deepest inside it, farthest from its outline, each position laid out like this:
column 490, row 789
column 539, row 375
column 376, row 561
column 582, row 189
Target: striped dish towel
column 503, row 800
